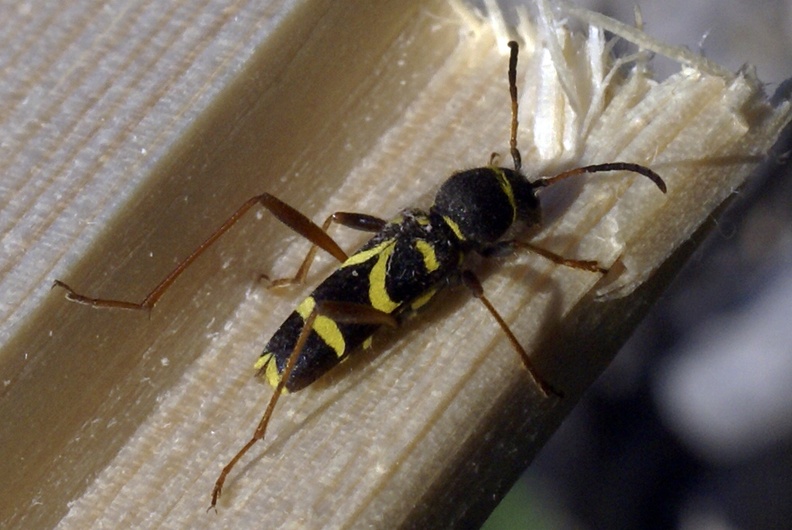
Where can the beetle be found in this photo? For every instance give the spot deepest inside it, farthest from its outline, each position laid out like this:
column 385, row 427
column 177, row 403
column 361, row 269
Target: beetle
column 407, row 262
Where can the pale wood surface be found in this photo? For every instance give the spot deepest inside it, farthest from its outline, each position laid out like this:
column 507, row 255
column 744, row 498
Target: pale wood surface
column 131, row 130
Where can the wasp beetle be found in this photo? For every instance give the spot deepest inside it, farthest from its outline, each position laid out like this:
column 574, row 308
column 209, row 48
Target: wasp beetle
column 407, row 262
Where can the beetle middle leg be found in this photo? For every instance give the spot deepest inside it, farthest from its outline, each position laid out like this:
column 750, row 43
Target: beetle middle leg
column 288, row 215
column 356, row 221
column 474, row 286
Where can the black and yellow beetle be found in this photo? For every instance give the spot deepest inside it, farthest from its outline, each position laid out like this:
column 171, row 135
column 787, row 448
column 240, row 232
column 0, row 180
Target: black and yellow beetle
column 408, row 260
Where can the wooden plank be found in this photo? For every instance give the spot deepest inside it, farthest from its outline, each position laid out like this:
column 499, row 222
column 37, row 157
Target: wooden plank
column 136, row 130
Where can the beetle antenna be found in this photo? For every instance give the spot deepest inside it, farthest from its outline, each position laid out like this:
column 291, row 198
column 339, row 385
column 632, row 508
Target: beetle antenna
column 515, row 153
column 598, row 168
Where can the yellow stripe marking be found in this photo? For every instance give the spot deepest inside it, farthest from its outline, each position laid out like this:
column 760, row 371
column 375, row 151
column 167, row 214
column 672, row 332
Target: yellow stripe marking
column 454, row 227
column 325, row 327
column 428, row 253
column 423, row 299
column 507, row 189
column 378, row 296
column 365, row 255
column 270, row 370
